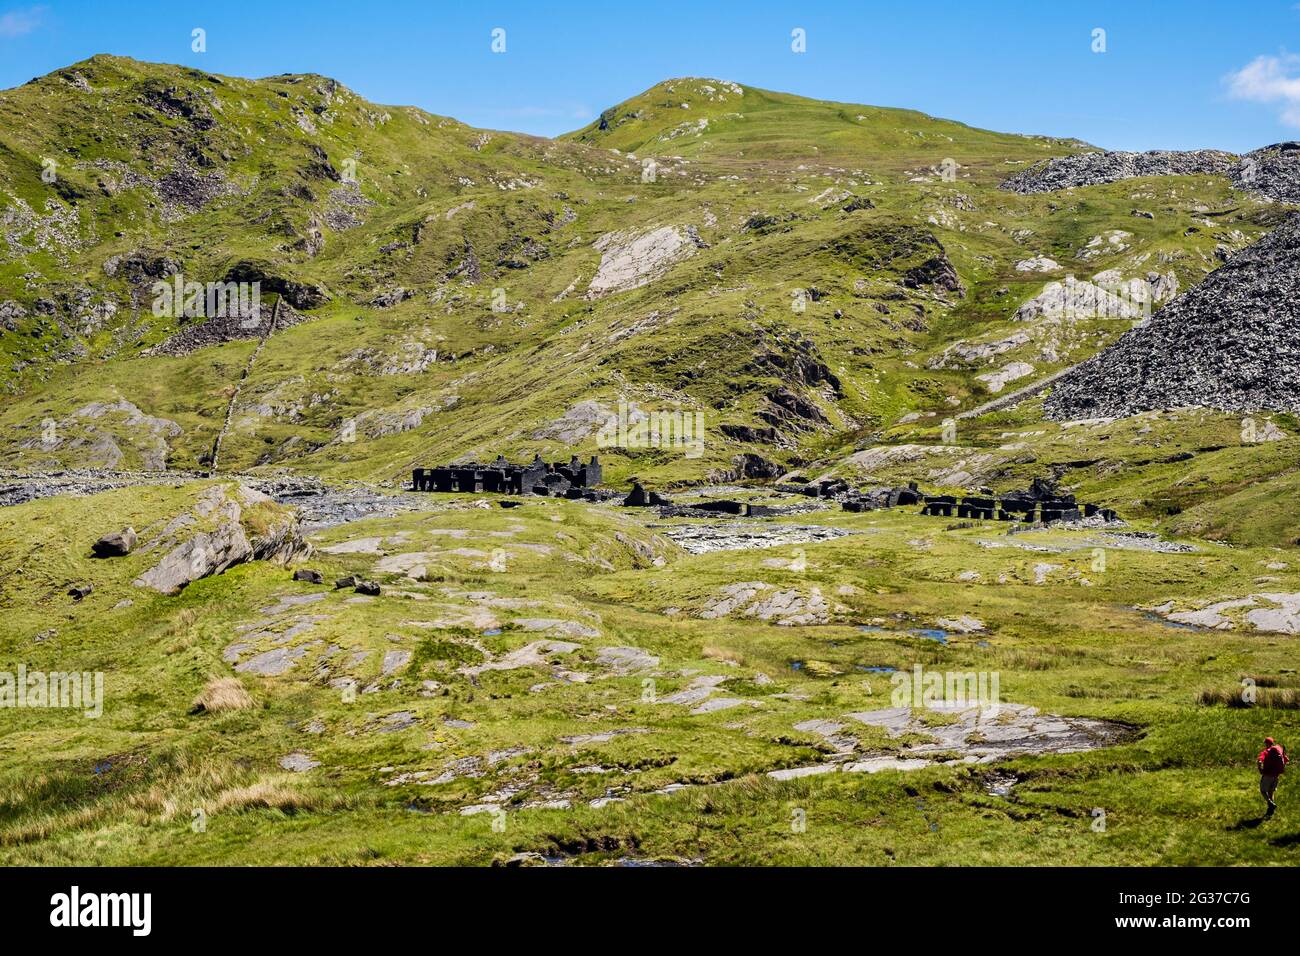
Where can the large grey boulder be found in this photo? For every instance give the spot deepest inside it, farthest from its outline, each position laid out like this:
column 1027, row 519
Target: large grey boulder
column 115, row 544
column 228, row 525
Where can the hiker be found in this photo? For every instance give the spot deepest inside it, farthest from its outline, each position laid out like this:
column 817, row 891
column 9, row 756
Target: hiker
column 1272, row 764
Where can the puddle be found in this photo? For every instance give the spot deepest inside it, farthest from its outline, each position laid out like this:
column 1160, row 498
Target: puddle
column 931, row 634
column 876, row 670
column 1000, row 784
column 633, row 861
column 1180, row 625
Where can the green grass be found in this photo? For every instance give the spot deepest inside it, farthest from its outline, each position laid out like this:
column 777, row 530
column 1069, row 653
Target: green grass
column 1177, row 790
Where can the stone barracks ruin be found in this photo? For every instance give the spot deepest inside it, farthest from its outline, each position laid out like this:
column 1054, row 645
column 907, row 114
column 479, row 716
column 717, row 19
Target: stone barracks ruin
column 1039, row 503
column 538, row 477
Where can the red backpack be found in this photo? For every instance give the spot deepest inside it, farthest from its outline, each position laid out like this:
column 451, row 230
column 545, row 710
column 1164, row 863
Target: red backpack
column 1275, row 760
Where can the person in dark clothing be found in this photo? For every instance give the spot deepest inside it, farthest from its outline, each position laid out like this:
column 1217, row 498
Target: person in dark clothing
column 1272, row 763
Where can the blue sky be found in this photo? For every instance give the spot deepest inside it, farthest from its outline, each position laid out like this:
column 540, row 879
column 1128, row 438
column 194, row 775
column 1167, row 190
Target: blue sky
column 1173, row 74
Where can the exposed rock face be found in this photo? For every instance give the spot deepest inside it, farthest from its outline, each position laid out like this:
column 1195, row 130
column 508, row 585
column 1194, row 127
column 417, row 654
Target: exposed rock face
column 970, row 353
column 1092, row 169
column 97, row 432
column 627, row 262
column 1037, row 264
column 787, row 409
column 755, row 599
column 1231, row 343
column 1275, row 612
column 141, row 267
column 229, row 524
column 300, row 295
column 997, row 381
column 936, row 272
column 1107, row 296
column 585, row 419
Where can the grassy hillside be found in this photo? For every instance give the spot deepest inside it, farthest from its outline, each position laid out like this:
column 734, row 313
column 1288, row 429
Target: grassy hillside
column 803, row 301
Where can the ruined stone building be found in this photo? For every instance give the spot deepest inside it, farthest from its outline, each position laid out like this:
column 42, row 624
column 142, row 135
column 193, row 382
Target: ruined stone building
column 537, row 477
column 1040, row 502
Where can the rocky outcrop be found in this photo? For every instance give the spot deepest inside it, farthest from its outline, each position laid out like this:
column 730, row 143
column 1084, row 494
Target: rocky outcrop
column 1231, row 343
column 141, row 267
column 627, row 262
column 300, row 295
column 1037, row 264
column 228, row 525
column 1106, row 296
column 96, row 433
column 936, row 272
column 1013, row 371
column 1270, row 611
column 1094, row 169
column 786, row 409
column 787, row 607
column 584, row 419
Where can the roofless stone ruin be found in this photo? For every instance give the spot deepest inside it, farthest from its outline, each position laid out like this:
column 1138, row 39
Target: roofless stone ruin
column 1040, row 502
column 538, row 477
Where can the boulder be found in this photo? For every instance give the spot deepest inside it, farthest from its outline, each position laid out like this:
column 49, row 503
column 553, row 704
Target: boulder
column 227, row 525
column 349, row 581
column 115, row 544
column 79, row 591
column 308, row 575
column 367, row 587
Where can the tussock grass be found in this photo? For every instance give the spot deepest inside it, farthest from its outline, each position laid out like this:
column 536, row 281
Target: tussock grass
column 167, row 788
column 268, row 793
column 1268, row 698
column 222, row 694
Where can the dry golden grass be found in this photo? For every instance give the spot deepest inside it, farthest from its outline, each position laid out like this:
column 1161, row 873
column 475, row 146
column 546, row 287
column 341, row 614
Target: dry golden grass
column 268, row 793
column 223, row 694
column 727, row 655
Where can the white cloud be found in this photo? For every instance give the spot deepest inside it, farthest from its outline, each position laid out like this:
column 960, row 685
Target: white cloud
column 1270, row 79
column 17, row 23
